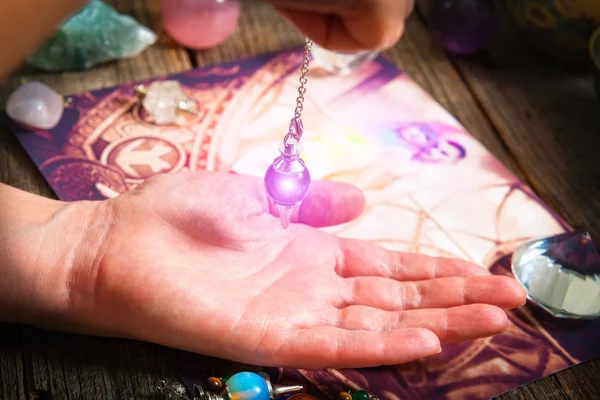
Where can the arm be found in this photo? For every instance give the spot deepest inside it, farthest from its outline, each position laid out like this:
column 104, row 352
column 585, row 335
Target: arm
column 25, row 24
column 40, row 241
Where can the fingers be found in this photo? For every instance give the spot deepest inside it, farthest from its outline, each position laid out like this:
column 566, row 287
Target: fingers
column 348, row 26
column 391, row 295
column 330, row 347
column 362, row 258
column 452, row 325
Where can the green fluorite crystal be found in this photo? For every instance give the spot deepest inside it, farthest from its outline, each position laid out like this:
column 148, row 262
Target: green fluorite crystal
column 95, row 35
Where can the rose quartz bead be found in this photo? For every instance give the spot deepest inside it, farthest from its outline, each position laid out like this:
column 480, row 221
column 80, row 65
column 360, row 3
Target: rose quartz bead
column 200, row 24
column 36, row 105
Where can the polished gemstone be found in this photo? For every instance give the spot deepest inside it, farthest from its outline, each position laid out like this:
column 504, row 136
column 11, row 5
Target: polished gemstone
column 200, row 24
column 248, row 386
column 341, row 63
column 461, row 26
column 36, row 105
column 561, row 274
column 214, row 384
column 344, row 396
column 95, row 35
column 360, row 395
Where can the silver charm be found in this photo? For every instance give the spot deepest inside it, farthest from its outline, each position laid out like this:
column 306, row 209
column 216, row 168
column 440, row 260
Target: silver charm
column 173, row 391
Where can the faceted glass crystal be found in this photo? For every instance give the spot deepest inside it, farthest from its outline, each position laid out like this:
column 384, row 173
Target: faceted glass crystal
column 561, row 274
column 341, row 63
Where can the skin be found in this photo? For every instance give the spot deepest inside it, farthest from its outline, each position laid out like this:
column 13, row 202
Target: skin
column 198, row 261
column 348, row 25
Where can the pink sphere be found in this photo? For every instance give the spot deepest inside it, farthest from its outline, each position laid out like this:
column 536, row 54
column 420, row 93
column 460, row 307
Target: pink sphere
column 200, row 24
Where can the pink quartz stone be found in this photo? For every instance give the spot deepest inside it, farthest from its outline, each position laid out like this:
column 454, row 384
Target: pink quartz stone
column 200, row 24
column 35, row 105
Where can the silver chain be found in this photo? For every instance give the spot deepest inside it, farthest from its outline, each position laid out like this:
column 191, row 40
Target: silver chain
column 296, row 128
column 303, row 78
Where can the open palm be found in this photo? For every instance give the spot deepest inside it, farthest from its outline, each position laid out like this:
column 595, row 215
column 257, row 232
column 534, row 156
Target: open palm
column 197, row 261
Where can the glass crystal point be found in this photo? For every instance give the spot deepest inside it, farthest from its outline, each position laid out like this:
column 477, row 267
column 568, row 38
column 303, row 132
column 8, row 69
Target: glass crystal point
column 285, row 214
column 341, row 63
column 561, row 274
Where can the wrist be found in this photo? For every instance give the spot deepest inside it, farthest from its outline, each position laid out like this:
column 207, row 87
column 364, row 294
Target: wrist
column 43, row 245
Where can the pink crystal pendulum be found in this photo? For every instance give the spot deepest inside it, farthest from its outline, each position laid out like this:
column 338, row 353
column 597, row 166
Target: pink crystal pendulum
column 287, row 180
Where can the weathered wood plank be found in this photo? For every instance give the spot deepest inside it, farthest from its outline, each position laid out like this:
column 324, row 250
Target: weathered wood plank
column 546, row 115
column 11, row 363
column 549, row 117
column 71, row 366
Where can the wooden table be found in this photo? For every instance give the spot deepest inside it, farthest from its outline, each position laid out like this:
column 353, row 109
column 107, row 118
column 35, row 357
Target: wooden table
column 539, row 117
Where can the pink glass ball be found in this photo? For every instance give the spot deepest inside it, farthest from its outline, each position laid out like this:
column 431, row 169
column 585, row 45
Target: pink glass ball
column 200, row 24
column 287, row 188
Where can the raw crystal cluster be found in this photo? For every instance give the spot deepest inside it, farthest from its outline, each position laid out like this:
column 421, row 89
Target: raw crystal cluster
column 95, row 35
column 164, row 100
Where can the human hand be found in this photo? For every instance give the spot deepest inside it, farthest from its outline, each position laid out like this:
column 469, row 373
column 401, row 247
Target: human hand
column 347, row 26
column 195, row 261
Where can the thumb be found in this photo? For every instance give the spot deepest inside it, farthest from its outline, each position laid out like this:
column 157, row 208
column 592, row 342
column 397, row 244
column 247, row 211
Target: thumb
column 329, row 203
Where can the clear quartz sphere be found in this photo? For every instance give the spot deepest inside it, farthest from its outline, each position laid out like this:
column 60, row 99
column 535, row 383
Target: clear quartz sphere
column 341, row 63
column 561, row 274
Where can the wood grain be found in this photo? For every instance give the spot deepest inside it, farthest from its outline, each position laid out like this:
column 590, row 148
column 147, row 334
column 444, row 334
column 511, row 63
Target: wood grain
column 549, row 117
column 71, row 366
column 524, row 111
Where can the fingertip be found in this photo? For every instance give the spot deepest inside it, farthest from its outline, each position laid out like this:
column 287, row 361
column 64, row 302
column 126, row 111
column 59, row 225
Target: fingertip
column 514, row 295
column 493, row 318
column 391, row 36
column 429, row 342
column 519, row 293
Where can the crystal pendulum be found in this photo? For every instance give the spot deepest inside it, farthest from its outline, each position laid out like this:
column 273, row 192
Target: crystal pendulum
column 287, row 180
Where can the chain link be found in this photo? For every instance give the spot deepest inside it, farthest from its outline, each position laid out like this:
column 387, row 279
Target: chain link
column 296, row 129
column 303, row 78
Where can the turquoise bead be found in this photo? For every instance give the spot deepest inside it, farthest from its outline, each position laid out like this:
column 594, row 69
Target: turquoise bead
column 248, row 386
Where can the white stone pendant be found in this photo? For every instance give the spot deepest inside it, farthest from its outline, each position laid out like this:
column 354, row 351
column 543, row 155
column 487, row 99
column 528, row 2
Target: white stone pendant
column 36, row 105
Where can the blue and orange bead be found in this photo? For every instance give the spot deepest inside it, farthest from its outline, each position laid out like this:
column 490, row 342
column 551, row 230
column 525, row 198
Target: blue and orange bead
column 248, row 386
